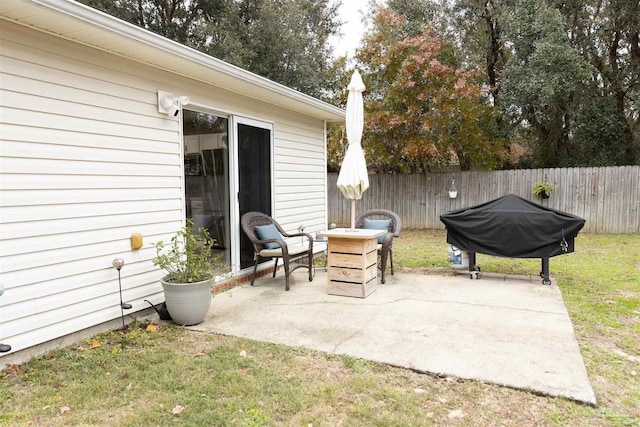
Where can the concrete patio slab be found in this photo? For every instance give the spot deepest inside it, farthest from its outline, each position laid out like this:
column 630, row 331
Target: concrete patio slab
column 500, row 329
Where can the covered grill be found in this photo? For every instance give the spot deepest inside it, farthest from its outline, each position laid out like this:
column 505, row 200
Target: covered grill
column 512, row 227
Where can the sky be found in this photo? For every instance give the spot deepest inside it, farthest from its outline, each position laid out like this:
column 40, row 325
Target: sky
column 351, row 13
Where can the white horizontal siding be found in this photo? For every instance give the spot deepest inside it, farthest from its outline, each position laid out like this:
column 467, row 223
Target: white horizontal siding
column 49, row 61
column 86, row 161
column 29, row 132
column 12, row 216
column 300, row 175
column 79, row 246
column 94, row 156
column 47, row 181
column 27, row 301
column 126, row 167
column 96, row 222
column 74, row 236
column 36, row 81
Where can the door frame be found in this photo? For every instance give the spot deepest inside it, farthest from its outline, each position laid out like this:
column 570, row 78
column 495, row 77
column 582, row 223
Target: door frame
column 234, row 121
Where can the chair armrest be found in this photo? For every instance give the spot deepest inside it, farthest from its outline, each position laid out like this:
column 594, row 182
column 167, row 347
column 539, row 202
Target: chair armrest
column 307, row 235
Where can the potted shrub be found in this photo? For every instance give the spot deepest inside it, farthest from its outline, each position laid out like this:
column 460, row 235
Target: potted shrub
column 542, row 189
column 191, row 268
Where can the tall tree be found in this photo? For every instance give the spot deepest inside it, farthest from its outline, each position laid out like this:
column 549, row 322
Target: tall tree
column 480, row 25
column 607, row 35
column 417, row 13
column 421, row 112
column 474, row 33
column 542, row 78
column 604, row 33
column 284, row 40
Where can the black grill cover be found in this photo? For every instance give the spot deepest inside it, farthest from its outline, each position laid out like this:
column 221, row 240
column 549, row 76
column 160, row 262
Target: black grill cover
column 512, row 227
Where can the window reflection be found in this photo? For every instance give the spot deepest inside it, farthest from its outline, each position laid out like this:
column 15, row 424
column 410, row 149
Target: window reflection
column 206, row 170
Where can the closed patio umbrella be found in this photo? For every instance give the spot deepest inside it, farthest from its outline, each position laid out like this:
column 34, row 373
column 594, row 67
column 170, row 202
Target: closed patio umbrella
column 353, row 179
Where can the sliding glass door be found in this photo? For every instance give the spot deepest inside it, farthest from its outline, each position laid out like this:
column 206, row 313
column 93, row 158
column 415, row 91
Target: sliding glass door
column 254, row 148
column 206, row 174
column 218, row 167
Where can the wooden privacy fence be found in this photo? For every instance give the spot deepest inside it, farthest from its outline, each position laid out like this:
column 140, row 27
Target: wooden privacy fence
column 608, row 198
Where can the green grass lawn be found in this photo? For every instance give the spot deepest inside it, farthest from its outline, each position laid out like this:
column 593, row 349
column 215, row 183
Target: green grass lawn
column 166, row 375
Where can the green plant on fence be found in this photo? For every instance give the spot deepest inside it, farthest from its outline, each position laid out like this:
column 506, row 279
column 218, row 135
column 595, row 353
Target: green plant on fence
column 189, row 257
column 542, row 189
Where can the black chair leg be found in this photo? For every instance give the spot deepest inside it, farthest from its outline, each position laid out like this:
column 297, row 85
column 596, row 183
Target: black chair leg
column 391, row 260
column 275, row 267
column 311, row 267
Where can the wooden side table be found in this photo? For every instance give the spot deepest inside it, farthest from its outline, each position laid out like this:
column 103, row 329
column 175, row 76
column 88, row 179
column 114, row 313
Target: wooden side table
column 352, row 261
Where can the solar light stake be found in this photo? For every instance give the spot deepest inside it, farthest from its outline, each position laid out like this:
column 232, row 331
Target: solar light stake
column 118, row 263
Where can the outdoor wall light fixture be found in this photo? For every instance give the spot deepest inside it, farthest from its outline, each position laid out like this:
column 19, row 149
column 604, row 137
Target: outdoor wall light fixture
column 118, row 263
column 4, row 347
column 453, row 191
column 170, row 104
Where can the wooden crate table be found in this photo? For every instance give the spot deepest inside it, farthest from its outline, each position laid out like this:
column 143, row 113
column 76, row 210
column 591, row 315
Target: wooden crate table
column 352, row 261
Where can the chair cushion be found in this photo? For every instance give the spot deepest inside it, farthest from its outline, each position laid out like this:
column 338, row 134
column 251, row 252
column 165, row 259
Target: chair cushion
column 378, row 224
column 293, row 250
column 266, row 232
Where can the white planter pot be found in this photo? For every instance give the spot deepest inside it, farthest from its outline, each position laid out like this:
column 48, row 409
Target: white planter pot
column 187, row 303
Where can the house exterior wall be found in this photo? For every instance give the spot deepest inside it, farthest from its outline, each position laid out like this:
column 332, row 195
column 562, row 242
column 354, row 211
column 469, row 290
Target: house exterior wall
column 86, row 160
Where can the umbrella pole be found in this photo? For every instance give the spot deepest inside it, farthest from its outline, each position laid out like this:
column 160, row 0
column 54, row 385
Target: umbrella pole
column 353, row 214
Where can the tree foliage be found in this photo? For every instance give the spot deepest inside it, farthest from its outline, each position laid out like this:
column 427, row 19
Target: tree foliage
column 607, row 36
column 542, row 78
column 286, row 41
column 529, row 50
column 562, row 77
column 479, row 23
column 599, row 37
column 422, row 111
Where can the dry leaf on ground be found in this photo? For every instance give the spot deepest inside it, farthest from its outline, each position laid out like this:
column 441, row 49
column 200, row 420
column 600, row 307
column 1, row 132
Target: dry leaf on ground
column 456, row 413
